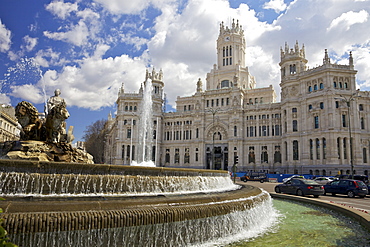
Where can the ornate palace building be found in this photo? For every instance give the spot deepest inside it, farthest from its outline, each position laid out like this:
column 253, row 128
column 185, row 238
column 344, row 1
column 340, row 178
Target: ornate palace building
column 232, row 119
column 9, row 130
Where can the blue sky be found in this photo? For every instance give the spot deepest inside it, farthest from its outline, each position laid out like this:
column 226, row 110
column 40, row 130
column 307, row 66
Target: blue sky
column 89, row 48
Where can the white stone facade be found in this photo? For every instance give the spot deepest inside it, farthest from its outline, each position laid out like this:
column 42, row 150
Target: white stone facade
column 307, row 132
column 9, row 130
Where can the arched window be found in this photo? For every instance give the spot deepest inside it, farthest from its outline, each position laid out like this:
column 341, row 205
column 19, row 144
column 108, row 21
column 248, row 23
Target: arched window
column 321, row 86
column 340, row 85
column 335, row 84
column 315, row 87
column 310, row 89
column 345, row 85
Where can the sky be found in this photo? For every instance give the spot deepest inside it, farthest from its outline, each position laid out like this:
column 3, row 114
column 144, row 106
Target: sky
column 87, row 49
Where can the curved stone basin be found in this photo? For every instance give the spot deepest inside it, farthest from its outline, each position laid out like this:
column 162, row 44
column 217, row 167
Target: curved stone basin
column 40, row 200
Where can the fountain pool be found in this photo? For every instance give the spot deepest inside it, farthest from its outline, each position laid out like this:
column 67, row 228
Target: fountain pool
column 309, row 225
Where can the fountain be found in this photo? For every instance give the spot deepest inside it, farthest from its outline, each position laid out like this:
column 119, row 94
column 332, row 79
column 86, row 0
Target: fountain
column 157, row 206
column 146, row 124
column 145, row 130
column 51, row 203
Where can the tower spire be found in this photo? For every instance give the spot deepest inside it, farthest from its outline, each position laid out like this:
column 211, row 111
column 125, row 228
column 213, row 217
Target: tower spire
column 326, row 59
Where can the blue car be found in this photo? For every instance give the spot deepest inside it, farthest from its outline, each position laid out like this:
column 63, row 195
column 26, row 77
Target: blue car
column 348, row 187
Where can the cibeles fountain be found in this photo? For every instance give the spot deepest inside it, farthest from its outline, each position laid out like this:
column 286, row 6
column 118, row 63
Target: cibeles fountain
column 53, row 203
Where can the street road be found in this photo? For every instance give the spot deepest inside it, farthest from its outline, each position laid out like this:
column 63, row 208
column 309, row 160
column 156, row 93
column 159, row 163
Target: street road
column 362, row 204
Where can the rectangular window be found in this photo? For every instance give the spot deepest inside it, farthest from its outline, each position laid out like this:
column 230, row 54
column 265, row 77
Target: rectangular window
column 187, row 156
column 277, row 130
column 344, row 121
column 316, row 118
column 128, row 133
column 295, row 150
column 264, row 131
column 177, row 155
column 317, row 149
column 295, row 125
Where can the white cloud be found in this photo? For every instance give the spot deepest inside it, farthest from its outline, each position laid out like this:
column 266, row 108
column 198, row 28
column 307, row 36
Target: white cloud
column 77, row 35
column 28, row 92
column 48, row 57
column 277, row 5
column 62, row 9
column 346, row 20
column 30, row 43
column 5, row 38
column 95, row 83
column 4, row 99
column 124, row 7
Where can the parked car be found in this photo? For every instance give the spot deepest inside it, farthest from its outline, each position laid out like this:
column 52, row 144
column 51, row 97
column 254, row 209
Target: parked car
column 294, row 176
column 254, row 176
column 348, row 187
column 300, row 187
column 362, row 178
column 323, row 180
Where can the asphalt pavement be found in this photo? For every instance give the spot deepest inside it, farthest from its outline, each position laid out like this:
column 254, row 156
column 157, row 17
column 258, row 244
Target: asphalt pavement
column 362, row 204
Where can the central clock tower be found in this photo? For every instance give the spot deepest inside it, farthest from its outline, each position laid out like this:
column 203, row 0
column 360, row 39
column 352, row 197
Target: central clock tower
column 231, row 46
column 230, row 70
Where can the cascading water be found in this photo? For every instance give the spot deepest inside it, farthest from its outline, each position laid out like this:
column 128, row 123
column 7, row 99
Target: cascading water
column 210, row 231
column 145, row 131
column 15, row 184
column 106, row 205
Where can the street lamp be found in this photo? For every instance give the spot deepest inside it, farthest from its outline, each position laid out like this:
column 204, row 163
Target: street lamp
column 213, row 111
column 348, row 100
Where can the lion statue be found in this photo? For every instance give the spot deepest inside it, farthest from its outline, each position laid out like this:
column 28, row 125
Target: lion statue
column 28, row 118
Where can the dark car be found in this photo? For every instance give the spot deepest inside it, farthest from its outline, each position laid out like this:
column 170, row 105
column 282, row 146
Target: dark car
column 300, row 187
column 362, row 178
column 254, row 176
column 348, row 187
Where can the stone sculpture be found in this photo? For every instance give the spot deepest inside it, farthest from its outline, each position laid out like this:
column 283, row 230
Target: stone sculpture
column 44, row 139
column 28, row 118
column 55, row 123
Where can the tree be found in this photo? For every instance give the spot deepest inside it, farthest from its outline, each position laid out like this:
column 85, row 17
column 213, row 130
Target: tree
column 95, row 140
